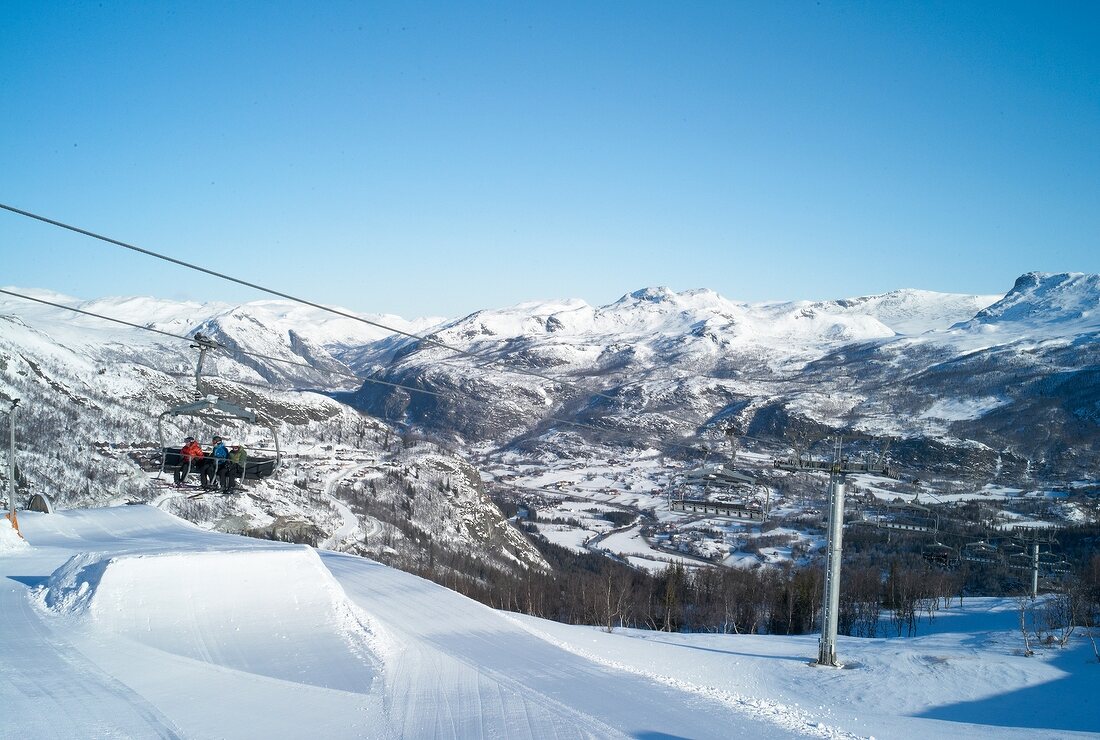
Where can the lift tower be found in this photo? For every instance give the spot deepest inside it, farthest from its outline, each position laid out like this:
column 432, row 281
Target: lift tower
column 837, row 469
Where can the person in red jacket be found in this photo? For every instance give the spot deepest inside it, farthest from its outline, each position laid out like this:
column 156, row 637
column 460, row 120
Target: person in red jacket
column 191, row 458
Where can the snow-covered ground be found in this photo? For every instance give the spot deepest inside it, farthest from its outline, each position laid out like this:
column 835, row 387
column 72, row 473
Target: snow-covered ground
column 129, row 622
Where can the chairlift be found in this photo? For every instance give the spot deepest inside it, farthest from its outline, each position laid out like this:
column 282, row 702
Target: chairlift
column 1051, row 563
column 725, row 479
column 1020, row 561
column 802, row 461
column 214, row 410
column 940, row 554
column 719, row 509
column 872, row 466
column 907, row 516
column 719, row 475
column 980, row 552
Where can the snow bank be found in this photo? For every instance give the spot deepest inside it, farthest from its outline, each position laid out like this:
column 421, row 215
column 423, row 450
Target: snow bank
column 10, row 541
column 276, row 612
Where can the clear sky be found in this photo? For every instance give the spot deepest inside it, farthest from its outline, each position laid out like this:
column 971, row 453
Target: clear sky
column 436, row 158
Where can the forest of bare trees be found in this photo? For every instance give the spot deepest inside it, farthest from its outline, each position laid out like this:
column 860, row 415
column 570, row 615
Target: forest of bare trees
column 886, row 592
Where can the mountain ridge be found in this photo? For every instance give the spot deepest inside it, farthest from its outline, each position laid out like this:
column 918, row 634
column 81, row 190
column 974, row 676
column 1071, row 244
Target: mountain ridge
column 940, row 367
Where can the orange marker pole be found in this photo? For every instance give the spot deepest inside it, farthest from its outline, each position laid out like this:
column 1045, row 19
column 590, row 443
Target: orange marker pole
column 11, row 469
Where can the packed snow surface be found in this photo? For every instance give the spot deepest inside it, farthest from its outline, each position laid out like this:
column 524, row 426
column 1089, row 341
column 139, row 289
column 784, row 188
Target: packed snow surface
column 128, row 622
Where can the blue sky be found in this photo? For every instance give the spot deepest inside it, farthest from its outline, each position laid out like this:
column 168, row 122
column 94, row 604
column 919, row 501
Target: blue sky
column 436, row 158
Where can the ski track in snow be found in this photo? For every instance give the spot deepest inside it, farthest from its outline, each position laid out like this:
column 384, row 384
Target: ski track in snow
column 786, row 717
column 98, row 705
column 464, row 670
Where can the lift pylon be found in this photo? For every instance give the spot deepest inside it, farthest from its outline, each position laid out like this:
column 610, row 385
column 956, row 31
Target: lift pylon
column 838, row 469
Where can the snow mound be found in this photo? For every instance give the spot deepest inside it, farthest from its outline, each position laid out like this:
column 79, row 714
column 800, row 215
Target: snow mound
column 275, row 612
column 10, row 541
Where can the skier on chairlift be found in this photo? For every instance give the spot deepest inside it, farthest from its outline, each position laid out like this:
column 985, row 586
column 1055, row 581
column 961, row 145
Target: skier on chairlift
column 216, row 462
column 234, row 471
column 191, row 458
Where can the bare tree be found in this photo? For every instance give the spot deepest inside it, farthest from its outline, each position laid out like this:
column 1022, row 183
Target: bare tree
column 616, row 586
column 1024, row 605
column 1058, row 617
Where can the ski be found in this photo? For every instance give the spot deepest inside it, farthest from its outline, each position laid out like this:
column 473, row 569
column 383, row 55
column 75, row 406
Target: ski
column 200, row 494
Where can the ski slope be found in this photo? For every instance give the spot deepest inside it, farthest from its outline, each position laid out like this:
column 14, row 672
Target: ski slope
column 128, row 622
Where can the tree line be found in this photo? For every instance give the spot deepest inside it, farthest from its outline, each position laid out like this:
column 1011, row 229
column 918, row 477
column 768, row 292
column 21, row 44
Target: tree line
column 591, row 588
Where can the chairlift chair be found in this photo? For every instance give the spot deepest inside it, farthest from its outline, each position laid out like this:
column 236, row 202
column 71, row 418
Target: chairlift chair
column 1051, row 563
column 1019, row 561
column 721, row 477
column 980, row 552
column 940, row 554
column 720, row 474
column 905, row 517
column 213, row 409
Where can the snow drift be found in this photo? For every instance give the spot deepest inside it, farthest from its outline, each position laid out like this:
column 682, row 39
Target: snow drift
column 10, row 541
column 250, row 610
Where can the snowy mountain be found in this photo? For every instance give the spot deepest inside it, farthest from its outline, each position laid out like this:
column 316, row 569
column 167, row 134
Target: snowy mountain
column 962, row 380
column 92, row 393
column 1046, row 306
column 128, row 622
column 604, row 404
column 956, row 377
column 657, row 316
column 1016, row 385
column 917, row 311
column 301, row 336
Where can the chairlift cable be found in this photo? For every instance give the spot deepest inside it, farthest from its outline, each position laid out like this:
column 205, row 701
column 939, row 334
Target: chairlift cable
column 487, row 362
column 303, row 301
column 611, row 432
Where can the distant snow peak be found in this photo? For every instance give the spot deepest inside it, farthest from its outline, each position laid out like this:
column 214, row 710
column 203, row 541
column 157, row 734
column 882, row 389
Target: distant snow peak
column 696, row 300
column 654, row 295
column 1061, row 303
